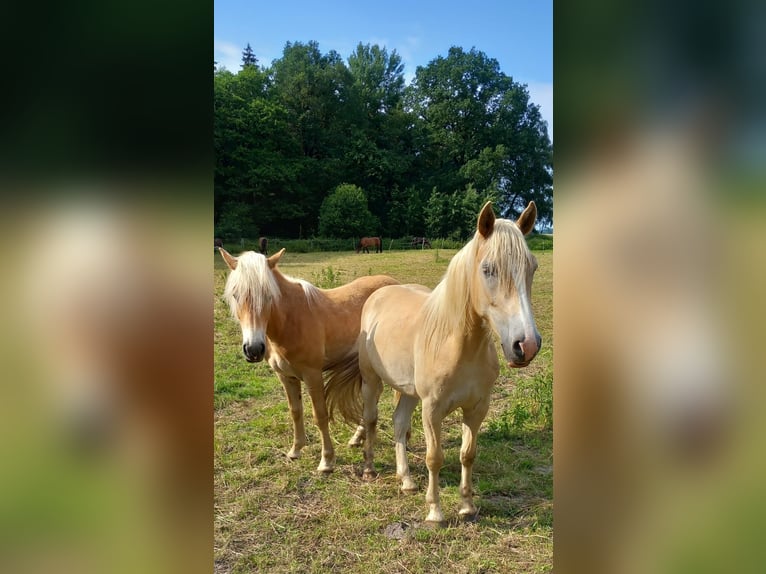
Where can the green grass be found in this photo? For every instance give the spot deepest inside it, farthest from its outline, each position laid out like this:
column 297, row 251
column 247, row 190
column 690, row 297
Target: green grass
column 273, row 515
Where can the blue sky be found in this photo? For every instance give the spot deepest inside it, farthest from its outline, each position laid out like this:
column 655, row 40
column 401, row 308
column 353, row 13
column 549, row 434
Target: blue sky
column 517, row 33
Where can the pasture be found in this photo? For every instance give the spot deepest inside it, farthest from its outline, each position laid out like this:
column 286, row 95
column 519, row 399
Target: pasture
column 276, row 515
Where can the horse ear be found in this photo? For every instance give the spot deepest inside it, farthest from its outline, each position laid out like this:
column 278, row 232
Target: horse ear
column 231, row 261
column 274, row 259
column 486, row 223
column 526, row 220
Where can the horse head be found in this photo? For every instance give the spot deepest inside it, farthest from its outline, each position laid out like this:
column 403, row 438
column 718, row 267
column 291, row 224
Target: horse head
column 504, row 269
column 251, row 290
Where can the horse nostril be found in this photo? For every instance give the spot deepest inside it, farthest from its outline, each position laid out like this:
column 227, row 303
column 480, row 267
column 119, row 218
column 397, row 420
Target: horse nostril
column 539, row 341
column 517, row 350
column 254, row 351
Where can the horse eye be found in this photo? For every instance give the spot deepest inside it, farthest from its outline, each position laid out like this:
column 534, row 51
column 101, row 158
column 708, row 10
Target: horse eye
column 489, row 270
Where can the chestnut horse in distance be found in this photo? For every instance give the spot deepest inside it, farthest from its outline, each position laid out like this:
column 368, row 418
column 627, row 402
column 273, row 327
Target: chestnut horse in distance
column 366, row 242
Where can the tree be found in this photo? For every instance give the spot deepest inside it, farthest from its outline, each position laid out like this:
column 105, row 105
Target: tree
column 258, row 161
column 406, row 213
column 315, row 90
column 454, row 215
column 479, row 127
column 236, row 222
column 248, row 57
column 286, row 135
column 380, row 148
column 378, row 77
column 345, row 214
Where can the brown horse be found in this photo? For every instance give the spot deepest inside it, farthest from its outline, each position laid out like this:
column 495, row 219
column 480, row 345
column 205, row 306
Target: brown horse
column 299, row 329
column 263, row 245
column 421, row 242
column 366, row 242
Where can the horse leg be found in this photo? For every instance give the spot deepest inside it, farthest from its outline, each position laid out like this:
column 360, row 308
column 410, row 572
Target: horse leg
column 358, row 438
column 293, row 391
column 402, row 425
column 432, row 427
column 315, row 387
column 371, row 389
column 471, row 422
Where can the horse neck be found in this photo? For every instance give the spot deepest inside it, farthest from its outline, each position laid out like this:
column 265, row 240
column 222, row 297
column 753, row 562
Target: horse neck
column 292, row 300
column 469, row 326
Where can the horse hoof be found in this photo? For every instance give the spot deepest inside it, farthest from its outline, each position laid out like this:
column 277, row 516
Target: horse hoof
column 435, row 517
column 467, row 515
column 433, row 524
column 369, row 475
column 353, row 443
column 409, row 487
column 294, row 455
column 325, row 468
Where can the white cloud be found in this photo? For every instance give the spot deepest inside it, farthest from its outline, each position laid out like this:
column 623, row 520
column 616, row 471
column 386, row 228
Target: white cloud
column 407, row 51
column 541, row 93
column 227, row 55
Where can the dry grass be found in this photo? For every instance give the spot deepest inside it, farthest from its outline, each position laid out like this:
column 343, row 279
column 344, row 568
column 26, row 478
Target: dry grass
column 273, row 515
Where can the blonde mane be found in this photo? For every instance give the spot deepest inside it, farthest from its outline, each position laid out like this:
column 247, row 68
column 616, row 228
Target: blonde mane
column 253, row 284
column 448, row 307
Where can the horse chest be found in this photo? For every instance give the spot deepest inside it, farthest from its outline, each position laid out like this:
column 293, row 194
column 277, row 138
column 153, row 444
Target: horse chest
column 463, row 380
column 282, row 365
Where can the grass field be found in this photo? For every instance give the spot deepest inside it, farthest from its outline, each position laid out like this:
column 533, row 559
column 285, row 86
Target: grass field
column 273, row 515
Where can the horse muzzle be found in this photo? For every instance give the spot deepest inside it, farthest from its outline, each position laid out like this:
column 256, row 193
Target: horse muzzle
column 523, row 351
column 254, row 352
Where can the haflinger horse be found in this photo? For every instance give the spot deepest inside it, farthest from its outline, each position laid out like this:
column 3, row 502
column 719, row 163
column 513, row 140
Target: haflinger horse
column 436, row 347
column 299, row 329
column 366, row 242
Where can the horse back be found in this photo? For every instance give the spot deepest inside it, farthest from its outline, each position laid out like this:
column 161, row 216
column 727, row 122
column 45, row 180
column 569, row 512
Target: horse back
column 359, row 289
column 394, row 304
column 340, row 312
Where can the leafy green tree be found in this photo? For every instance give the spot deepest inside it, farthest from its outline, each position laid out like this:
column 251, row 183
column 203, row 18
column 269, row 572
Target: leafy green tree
column 378, row 77
column 437, row 214
column 285, row 135
column 478, row 126
column 315, row 90
column 345, row 214
column 236, row 222
column 380, row 151
column 258, row 160
column 406, row 214
column 454, row 215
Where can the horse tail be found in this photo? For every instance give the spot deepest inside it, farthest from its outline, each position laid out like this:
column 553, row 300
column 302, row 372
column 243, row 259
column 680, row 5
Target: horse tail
column 343, row 389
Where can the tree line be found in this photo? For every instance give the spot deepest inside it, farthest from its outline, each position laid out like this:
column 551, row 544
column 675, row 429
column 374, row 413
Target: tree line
column 313, row 145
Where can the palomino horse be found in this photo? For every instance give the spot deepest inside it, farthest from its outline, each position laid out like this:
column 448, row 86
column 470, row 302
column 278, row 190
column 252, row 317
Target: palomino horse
column 300, row 329
column 436, row 347
column 366, row 242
